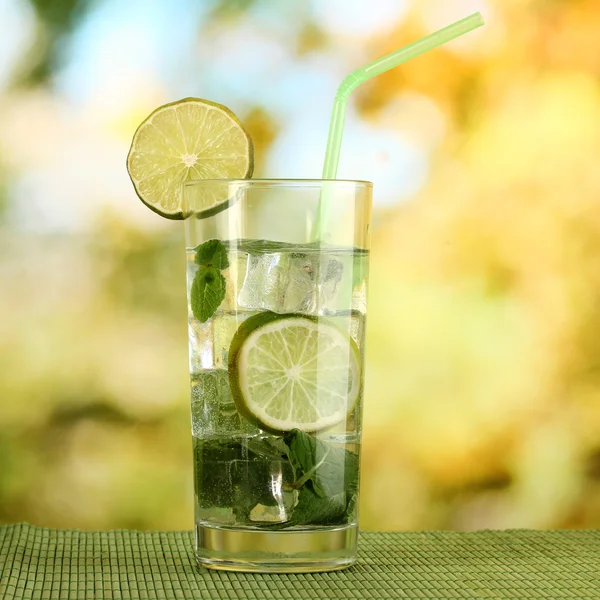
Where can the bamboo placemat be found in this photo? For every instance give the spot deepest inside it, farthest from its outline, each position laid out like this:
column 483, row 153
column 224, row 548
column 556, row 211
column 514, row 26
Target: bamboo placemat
column 50, row 564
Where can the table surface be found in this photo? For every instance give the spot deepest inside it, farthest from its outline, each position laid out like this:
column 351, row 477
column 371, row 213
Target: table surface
column 61, row 564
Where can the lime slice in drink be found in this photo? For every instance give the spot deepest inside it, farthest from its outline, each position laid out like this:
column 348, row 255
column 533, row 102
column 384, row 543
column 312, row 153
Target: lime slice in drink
column 293, row 372
column 188, row 139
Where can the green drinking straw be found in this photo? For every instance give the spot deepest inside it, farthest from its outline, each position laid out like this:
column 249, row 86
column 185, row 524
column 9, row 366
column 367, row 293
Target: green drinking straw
column 372, row 69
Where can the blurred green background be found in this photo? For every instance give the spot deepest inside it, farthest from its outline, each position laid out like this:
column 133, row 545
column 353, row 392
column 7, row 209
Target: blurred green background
column 483, row 367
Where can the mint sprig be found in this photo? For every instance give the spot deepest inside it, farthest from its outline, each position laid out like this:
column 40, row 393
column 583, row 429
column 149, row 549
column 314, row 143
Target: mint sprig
column 331, row 471
column 209, row 285
column 323, row 477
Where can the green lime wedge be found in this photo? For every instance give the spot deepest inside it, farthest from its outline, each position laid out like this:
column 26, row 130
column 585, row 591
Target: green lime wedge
column 188, row 139
column 293, row 372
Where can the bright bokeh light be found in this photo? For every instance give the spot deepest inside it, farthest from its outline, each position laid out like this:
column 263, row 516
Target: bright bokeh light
column 119, row 47
column 254, row 62
column 417, row 117
column 18, row 29
column 359, row 19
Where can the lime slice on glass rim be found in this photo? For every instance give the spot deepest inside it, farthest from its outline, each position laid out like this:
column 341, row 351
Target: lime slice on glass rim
column 184, row 140
column 293, row 372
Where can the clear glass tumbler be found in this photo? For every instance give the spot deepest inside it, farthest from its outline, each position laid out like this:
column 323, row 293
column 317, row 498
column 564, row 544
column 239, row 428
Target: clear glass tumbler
column 277, row 335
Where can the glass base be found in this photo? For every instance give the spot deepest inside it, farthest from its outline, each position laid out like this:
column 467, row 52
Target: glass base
column 254, row 551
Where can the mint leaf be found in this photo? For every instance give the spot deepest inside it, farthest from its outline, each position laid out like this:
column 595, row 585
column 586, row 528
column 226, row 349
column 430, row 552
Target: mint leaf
column 314, row 510
column 351, row 508
column 328, row 470
column 212, row 254
column 207, row 293
column 273, row 448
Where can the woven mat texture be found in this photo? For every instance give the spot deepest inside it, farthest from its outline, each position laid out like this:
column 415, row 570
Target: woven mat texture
column 60, row 564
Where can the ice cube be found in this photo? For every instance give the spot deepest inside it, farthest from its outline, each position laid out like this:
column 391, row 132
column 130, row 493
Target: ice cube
column 285, row 282
column 264, row 282
column 214, row 411
column 262, row 489
column 200, row 336
column 343, row 282
column 331, row 277
column 204, row 403
column 234, row 276
column 298, row 282
column 209, row 342
column 225, row 325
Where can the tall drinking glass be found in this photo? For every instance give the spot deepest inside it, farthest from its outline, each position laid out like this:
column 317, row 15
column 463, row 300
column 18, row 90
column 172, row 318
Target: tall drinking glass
column 277, row 338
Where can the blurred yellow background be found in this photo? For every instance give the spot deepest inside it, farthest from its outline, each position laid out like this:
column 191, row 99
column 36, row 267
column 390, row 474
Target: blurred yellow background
column 483, row 362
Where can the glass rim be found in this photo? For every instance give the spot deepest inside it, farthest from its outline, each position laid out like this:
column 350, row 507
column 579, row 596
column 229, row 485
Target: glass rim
column 266, row 181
